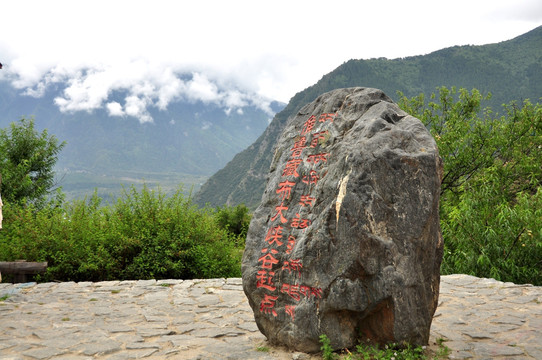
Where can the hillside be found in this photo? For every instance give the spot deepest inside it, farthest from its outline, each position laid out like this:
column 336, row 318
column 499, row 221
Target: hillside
column 185, row 143
column 510, row 70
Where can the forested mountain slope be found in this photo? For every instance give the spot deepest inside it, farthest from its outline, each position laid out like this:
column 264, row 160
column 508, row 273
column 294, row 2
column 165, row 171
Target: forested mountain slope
column 510, row 70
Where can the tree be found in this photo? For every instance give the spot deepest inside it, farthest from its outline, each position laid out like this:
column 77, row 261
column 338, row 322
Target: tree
column 491, row 196
column 234, row 219
column 27, row 159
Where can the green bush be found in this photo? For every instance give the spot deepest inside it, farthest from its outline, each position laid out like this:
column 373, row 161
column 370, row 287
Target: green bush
column 143, row 235
column 491, row 197
column 236, row 220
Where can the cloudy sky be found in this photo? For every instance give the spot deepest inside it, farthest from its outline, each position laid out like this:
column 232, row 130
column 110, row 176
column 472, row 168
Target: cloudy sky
column 229, row 52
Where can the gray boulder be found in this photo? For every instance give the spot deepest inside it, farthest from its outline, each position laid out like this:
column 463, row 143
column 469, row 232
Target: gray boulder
column 346, row 241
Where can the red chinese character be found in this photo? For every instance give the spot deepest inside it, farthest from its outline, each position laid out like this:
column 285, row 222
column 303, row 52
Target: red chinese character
column 316, row 137
column 308, row 291
column 308, row 125
column 292, row 290
column 267, row 305
column 316, row 158
column 327, row 116
column 306, row 200
column 290, row 310
column 316, row 292
column 293, row 265
column 279, row 210
column 285, row 188
column 265, row 280
column 268, row 260
column 312, row 178
column 291, row 244
column 291, row 167
column 305, row 290
column 299, row 223
column 273, row 235
column 299, row 145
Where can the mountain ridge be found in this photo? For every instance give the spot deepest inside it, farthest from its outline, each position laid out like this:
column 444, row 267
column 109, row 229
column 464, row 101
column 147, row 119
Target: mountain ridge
column 510, row 70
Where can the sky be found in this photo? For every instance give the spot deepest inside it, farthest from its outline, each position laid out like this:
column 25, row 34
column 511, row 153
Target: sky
column 233, row 53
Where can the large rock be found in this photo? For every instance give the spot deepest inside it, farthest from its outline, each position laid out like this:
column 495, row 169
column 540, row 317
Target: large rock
column 346, row 241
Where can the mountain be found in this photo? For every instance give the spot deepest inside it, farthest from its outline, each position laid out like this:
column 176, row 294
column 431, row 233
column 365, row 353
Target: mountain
column 510, row 70
column 184, row 143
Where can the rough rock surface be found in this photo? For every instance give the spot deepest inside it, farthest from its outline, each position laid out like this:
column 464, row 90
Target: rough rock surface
column 346, row 241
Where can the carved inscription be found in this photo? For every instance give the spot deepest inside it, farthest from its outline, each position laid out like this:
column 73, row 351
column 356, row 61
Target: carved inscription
column 304, row 168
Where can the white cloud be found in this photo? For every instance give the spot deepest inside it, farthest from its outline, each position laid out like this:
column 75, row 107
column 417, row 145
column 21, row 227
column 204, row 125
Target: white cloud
column 85, row 92
column 137, row 107
column 115, row 109
column 238, row 53
column 200, row 88
column 146, row 85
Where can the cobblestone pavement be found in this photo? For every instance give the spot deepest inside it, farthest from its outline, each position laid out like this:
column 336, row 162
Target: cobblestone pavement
column 211, row 319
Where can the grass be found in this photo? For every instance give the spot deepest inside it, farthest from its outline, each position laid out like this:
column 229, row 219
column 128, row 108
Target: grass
column 389, row 352
column 4, row 298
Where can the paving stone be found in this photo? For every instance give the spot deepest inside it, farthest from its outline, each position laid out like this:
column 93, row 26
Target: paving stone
column 507, row 319
column 499, row 329
column 63, row 342
column 132, row 354
column 102, row 347
column 155, row 332
column 461, row 355
column 145, row 283
column 523, row 299
column 169, row 282
column 248, row 326
column 478, row 334
column 10, row 357
column 494, row 350
column 534, row 351
column 117, row 328
column 44, row 353
column 139, row 345
column 184, row 342
column 215, row 332
column 483, row 319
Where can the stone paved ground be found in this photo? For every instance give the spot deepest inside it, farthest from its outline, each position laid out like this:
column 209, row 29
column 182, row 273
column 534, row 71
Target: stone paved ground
column 211, row 319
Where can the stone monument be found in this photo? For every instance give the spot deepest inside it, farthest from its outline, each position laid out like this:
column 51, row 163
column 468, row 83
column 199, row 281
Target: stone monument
column 346, row 241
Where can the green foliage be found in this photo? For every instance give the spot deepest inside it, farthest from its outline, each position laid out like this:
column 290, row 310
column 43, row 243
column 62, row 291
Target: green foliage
column 491, row 199
column 443, row 350
column 234, row 219
column 144, row 235
column 263, row 348
column 327, row 350
column 27, row 159
column 388, row 352
column 464, row 139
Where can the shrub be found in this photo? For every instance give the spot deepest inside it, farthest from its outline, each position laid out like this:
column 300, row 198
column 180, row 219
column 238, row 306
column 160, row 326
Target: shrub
column 143, row 235
column 491, row 193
